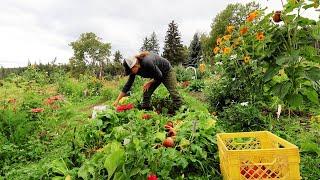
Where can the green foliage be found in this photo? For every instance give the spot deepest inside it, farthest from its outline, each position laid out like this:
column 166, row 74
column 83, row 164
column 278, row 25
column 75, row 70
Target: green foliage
column 226, row 90
column 90, row 54
column 114, row 69
column 183, row 74
column 71, row 87
column 243, row 118
column 33, row 74
column 196, row 85
column 173, row 49
column 279, row 60
column 85, row 86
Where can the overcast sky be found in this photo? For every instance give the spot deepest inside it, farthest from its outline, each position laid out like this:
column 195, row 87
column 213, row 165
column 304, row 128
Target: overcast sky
column 40, row 30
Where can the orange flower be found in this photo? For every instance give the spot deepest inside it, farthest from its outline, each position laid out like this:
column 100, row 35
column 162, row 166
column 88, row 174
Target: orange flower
column 226, row 50
column 216, row 50
column 243, row 30
column 246, row 59
column 227, row 37
column 260, row 36
column 252, row 16
column 202, row 68
column 219, row 41
column 230, row 29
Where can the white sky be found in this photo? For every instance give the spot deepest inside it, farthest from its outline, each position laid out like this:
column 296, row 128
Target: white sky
column 40, row 30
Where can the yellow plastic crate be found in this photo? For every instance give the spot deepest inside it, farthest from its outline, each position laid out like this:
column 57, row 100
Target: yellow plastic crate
column 257, row 155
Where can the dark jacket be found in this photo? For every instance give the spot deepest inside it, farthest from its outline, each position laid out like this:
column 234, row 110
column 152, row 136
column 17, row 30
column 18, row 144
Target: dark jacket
column 152, row 66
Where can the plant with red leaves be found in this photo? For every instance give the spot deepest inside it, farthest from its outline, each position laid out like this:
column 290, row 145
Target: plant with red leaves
column 37, row 110
column 125, row 107
column 152, row 177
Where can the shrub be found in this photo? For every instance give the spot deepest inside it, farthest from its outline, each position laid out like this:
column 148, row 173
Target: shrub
column 183, row 74
column 196, row 85
column 71, row 87
column 243, row 118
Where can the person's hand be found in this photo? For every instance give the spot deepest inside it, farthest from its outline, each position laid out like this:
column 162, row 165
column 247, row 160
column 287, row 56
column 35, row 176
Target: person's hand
column 147, row 85
column 115, row 103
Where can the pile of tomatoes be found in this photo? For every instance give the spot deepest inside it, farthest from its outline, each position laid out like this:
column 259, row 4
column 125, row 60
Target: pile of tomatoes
column 254, row 171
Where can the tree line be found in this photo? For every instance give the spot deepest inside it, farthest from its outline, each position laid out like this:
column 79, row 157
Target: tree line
column 92, row 55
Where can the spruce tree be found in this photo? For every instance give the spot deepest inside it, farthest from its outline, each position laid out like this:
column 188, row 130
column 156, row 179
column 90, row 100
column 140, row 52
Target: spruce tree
column 194, row 51
column 154, row 44
column 117, row 57
column 145, row 45
column 173, row 48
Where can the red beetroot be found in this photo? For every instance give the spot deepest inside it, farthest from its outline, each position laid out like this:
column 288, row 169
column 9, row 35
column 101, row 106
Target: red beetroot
column 146, row 116
column 171, row 133
column 152, row 177
column 170, row 123
column 168, row 142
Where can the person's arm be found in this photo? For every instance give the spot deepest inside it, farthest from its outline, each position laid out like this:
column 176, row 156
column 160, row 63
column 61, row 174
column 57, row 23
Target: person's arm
column 120, row 96
column 125, row 89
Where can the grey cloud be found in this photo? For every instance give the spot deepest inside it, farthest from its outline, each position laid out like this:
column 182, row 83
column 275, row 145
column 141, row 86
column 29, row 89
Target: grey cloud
column 49, row 25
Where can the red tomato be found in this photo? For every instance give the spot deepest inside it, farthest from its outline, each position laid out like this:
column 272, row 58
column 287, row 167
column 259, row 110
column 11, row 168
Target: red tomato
column 251, row 172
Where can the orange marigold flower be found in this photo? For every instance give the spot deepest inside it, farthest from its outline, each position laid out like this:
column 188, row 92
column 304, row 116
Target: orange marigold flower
column 227, row 37
column 219, row 41
column 230, row 29
column 243, row 30
column 246, row 59
column 252, row 16
column 216, row 50
column 226, row 50
column 260, row 36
